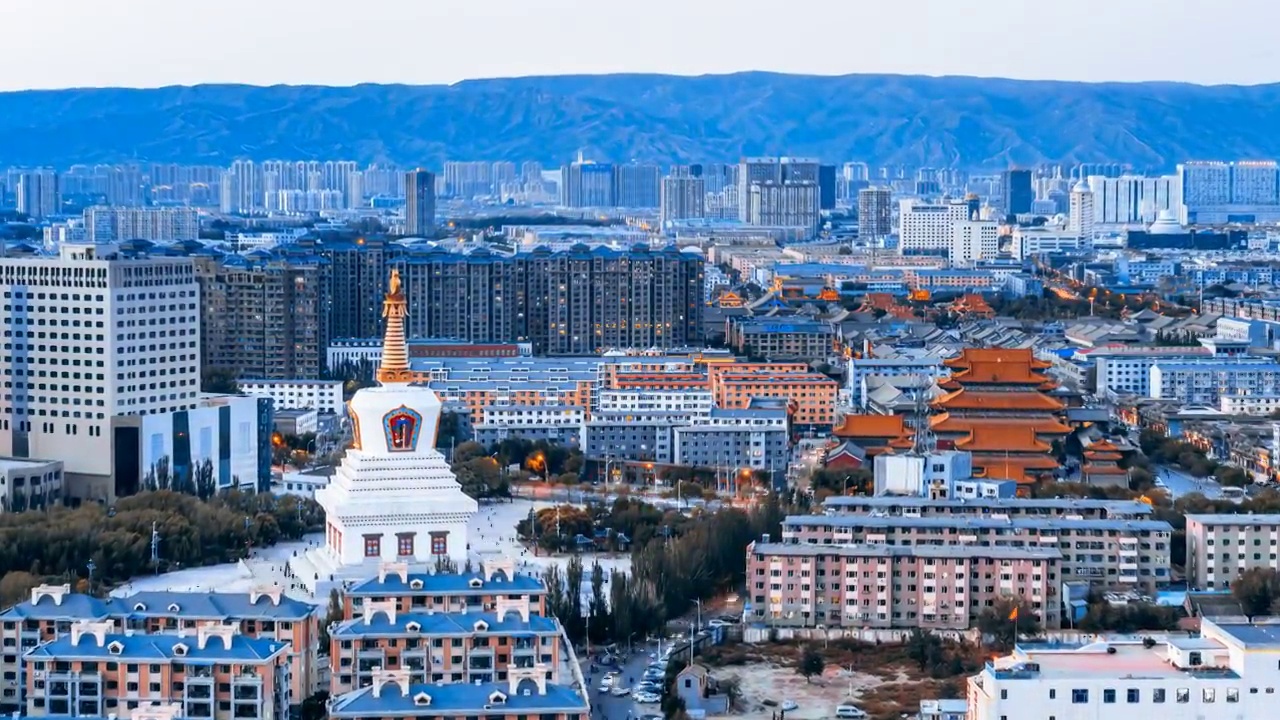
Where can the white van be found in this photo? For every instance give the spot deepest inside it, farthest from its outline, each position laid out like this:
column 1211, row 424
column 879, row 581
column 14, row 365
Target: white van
column 850, row 711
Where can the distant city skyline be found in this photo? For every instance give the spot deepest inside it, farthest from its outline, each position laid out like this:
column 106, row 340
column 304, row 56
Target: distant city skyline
column 151, row 43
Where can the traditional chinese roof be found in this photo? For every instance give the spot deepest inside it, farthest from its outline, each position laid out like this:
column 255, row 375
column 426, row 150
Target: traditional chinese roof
column 872, row 426
column 949, row 423
column 1012, row 438
column 1023, row 469
column 1005, row 356
column 848, row 451
column 963, row 399
column 1091, row 469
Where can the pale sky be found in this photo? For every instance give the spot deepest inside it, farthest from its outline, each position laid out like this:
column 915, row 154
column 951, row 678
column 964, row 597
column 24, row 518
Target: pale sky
column 148, row 43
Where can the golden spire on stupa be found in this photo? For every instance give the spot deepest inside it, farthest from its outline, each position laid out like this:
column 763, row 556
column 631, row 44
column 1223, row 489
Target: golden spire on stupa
column 395, row 351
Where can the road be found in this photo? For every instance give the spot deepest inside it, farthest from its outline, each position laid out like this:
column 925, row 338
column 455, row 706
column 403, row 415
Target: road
column 607, row 707
column 1179, row 483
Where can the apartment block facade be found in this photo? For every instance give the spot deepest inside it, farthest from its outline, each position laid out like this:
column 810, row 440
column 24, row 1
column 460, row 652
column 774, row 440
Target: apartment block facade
column 1110, row 553
column 877, row 585
column 1221, row 546
column 267, row 614
column 214, row 673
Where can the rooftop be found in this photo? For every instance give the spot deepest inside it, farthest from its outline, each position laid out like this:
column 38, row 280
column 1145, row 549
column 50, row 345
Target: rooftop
column 451, row 583
column 240, row 648
column 1235, row 519
column 925, row 551
column 976, row 523
column 456, row 623
column 455, row 698
column 1114, row 507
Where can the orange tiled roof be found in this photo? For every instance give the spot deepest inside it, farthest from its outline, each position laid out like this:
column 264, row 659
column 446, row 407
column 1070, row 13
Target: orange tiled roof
column 1009, row 356
column 890, row 426
column 1014, row 438
column 1022, row 469
column 976, row 400
column 998, row 372
column 949, row 423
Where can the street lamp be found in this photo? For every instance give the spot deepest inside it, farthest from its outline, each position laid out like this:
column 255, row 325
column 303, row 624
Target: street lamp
column 90, row 566
column 699, row 604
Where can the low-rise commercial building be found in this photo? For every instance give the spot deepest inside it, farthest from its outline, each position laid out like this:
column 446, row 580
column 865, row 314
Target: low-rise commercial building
column 1227, row 673
column 812, row 396
column 781, row 338
column 1111, row 553
column 1221, row 546
column 27, row 484
column 880, row 585
column 559, row 424
column 324, row 396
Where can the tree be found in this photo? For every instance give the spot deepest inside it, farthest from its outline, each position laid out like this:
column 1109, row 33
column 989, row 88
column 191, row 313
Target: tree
column 16, row 587
column 1006, row 620
column 925, row 648
column 332, row 616
column 1257, row 590
column 811, row 662
column 467, row 451
column 219, row 380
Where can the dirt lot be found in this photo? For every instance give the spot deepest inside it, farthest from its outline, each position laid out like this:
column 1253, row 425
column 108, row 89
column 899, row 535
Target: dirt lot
column 881, row 679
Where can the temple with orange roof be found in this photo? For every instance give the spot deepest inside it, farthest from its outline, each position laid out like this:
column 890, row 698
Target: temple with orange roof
column 1102, row 465
column 888, row 304
column 997, row 407
column 876, row 433
column 972, row 305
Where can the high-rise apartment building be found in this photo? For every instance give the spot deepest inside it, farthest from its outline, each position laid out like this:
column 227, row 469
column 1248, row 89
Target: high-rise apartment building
column 264, row 317
column 875, row 212
column 785, row 204
column 587, row 184
column 420, row 203
column 636, row 185
column 1016, row 192
column 1080, row 213
column 1132, row 199
column 780, row 191
column 94, row 334
column 38, row 194
column 155, row 224
column 683, row 198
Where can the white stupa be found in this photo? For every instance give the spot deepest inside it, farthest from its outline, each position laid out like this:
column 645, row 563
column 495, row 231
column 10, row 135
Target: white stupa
column 394, row 499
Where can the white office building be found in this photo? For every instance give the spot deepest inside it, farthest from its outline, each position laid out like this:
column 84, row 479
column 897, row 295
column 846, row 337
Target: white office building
column 928, row 228
column 1127, row 370
column 973, row 240
column 696, row 403
column 155, row 224
column 322, row 395
column 1229, row 672
column 1028, row 241
column 96, row 333
column 1228, row 192
column 1205, row 383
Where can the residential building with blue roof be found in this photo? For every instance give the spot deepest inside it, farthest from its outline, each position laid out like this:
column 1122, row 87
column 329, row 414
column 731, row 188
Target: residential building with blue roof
column 213, row 672
column 447, row 628
column 266, row 614
column 526, row 695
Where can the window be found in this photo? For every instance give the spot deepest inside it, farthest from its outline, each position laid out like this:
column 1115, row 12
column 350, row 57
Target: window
column 404, row 544
column 1157, row 695
column 1208, row 694
column 1004, row 694
column 439, row 543
column 1182, row 695
column 372, row 546
column 1079, row 697
column 1233, row 695
column 1133, row 695
column 1108, row 695
column 1053, row 694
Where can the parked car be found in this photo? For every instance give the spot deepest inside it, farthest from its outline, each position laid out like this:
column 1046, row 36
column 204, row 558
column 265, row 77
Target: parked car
column 852, row 712
column 621, row 691
column 789, row 705
column 648, row 698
